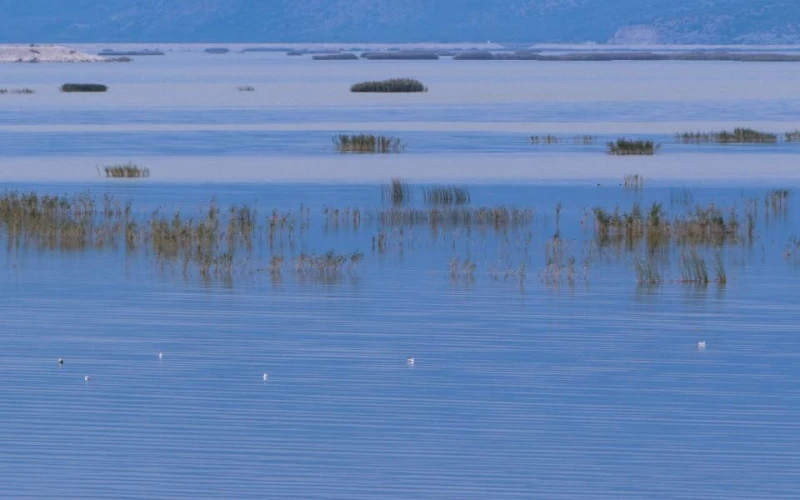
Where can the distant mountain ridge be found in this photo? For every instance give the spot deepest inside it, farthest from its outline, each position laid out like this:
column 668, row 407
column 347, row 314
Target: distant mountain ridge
column 397, row 21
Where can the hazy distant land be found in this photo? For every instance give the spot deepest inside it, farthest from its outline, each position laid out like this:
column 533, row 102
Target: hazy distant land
column 34, row 53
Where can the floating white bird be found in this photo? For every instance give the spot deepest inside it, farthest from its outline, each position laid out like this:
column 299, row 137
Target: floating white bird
column 265, row 377
column 87, row 378
column 410, row 360
column 60, row 362
column 701, row 346
column 161, row 355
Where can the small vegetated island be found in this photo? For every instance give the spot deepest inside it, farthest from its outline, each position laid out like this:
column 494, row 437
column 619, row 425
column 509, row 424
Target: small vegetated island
column 344, row 56
column 626, row 147
column 83, row 87
column 391, row 85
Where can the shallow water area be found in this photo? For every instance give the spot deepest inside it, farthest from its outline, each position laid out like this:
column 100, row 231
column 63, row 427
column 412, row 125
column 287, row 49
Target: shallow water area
column 588, row 384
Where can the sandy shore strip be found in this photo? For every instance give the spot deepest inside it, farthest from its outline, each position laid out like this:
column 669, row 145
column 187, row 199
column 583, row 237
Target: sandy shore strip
column 45, row 54
column 731, row 168
column 540, row 128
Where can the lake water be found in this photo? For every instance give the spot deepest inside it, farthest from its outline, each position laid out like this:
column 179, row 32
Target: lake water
column 522, row 386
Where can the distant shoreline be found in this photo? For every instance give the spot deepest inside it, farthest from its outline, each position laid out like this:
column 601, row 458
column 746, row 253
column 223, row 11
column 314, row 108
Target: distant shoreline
column 34, row 53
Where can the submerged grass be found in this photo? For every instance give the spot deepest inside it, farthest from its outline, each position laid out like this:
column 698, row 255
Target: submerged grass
column 446, row 195
column 219, row 243
column 777, row 200
column 326, row 267
column 17, row 91
column 585, row 140
column 545, row 139
column 497, row 217
column 462, row 270
column 792, row 250
column 634, row 182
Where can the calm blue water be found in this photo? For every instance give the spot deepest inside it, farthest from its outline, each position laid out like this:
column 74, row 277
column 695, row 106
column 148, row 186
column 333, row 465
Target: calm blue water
column 319, row 143
column 521, row 388
column 589, row 391
column 744, row 110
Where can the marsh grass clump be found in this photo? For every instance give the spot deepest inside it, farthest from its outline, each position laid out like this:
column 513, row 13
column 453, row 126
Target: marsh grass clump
column 392, row 85
column 446, row 195
column 624, row 147
column 793, row 136
column 693, row 268
column 83, row 87
column 462, row 270
column 127, row 170
column 648, row 272
column 398, row 192
column 62, row 222
column 777, row 200
column 17, row 91
column 559, row 262
column 707, row 226
column 367, row 143
column 737, row 136
column 634, row 182
column 719, row 266
column 246, row 88
column 628, row 229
